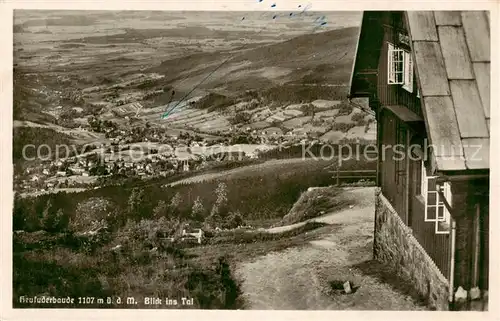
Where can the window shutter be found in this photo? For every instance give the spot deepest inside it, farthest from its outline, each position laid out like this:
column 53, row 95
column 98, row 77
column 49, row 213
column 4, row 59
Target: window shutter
column 423, row 181
column 443, row 225
column 391, row 75
column 408, row 72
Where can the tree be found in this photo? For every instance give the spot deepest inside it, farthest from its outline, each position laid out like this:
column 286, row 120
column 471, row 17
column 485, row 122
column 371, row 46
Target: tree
column 160, row 210
column 197, row 208
column 221, row 193
column 219, row 208
column 46, row 219
column 135, row 200
column 98, row 170
column 175, row 202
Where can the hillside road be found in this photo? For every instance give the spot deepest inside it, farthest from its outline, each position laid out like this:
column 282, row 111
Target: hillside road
column 299, row 277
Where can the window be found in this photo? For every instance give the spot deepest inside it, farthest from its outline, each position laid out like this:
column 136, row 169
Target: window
column 435, row 210
column 395, row 65
column 400, row 67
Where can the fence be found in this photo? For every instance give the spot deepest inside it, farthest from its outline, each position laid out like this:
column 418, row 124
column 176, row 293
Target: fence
column 353, row 176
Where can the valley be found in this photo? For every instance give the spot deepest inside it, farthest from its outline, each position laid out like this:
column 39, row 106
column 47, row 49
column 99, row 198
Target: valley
column 134, row 130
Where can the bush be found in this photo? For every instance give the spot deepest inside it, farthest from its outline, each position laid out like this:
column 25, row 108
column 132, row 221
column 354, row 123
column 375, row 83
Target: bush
column 215, row 288
column 240, row 118
column 308, row 109
column 214, row 102
column 358, row 117
column 343, row 127
column 233, row 220
column 345, row 108
column 89, row 212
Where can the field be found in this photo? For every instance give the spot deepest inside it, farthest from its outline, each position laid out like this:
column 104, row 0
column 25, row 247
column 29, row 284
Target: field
column 71, row 65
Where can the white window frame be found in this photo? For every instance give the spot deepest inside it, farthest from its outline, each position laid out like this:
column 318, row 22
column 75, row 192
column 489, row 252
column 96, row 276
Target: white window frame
column 408, row 72
column 439, row 220
column 426, row 200
column 406, row 65
column 392, row 64
column 446, row 188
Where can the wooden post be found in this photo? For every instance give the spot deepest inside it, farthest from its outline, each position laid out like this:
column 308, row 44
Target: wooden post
column 407, row 180
column 477, row 235
column 379, row 144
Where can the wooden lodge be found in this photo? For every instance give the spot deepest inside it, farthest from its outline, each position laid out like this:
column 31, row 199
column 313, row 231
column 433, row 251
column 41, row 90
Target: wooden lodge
column 427, row 77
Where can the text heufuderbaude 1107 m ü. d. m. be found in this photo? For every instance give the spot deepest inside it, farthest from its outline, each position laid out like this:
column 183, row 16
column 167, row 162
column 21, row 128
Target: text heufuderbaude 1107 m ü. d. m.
column 103, row 301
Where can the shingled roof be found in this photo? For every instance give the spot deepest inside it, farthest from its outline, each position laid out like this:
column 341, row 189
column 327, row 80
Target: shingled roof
column 451, row 51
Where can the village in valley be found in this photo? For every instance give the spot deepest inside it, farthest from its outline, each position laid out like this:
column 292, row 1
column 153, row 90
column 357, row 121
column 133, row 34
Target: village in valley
column 131, row 140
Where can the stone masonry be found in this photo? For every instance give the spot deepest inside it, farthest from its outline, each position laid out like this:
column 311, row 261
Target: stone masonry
column 395, row 245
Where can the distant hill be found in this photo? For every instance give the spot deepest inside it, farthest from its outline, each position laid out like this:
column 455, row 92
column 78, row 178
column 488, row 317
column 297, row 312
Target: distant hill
column 319, row 58
column 302, row 48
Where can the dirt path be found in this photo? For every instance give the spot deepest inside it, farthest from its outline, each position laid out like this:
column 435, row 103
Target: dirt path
column 299, row 277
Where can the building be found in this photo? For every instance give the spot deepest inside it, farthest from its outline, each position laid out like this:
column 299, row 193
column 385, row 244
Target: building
column 185, row 165
column 427, row 77
column 76, row 170
column 192, row 234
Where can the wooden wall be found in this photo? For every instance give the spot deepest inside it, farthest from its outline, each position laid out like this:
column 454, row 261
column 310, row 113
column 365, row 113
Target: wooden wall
column 466, row 195
column 393, row 183
column 392, row 165
column 394, row 94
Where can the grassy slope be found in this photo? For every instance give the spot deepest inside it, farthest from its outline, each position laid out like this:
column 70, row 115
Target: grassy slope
column 37, row 136
column 28, row 104
column 315, row 203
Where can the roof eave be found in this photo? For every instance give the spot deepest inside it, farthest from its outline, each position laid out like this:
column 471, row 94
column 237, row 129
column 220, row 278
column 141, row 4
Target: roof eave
column 351, row 95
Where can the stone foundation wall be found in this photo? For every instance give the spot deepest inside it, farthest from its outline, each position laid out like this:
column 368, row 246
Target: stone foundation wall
column 395, row 245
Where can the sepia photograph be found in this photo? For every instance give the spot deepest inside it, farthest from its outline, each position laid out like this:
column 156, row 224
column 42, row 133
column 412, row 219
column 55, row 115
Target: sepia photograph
column 266, row 159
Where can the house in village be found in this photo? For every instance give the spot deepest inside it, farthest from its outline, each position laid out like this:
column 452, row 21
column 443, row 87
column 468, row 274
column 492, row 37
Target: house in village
column 427, row 77
column 192, row 235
